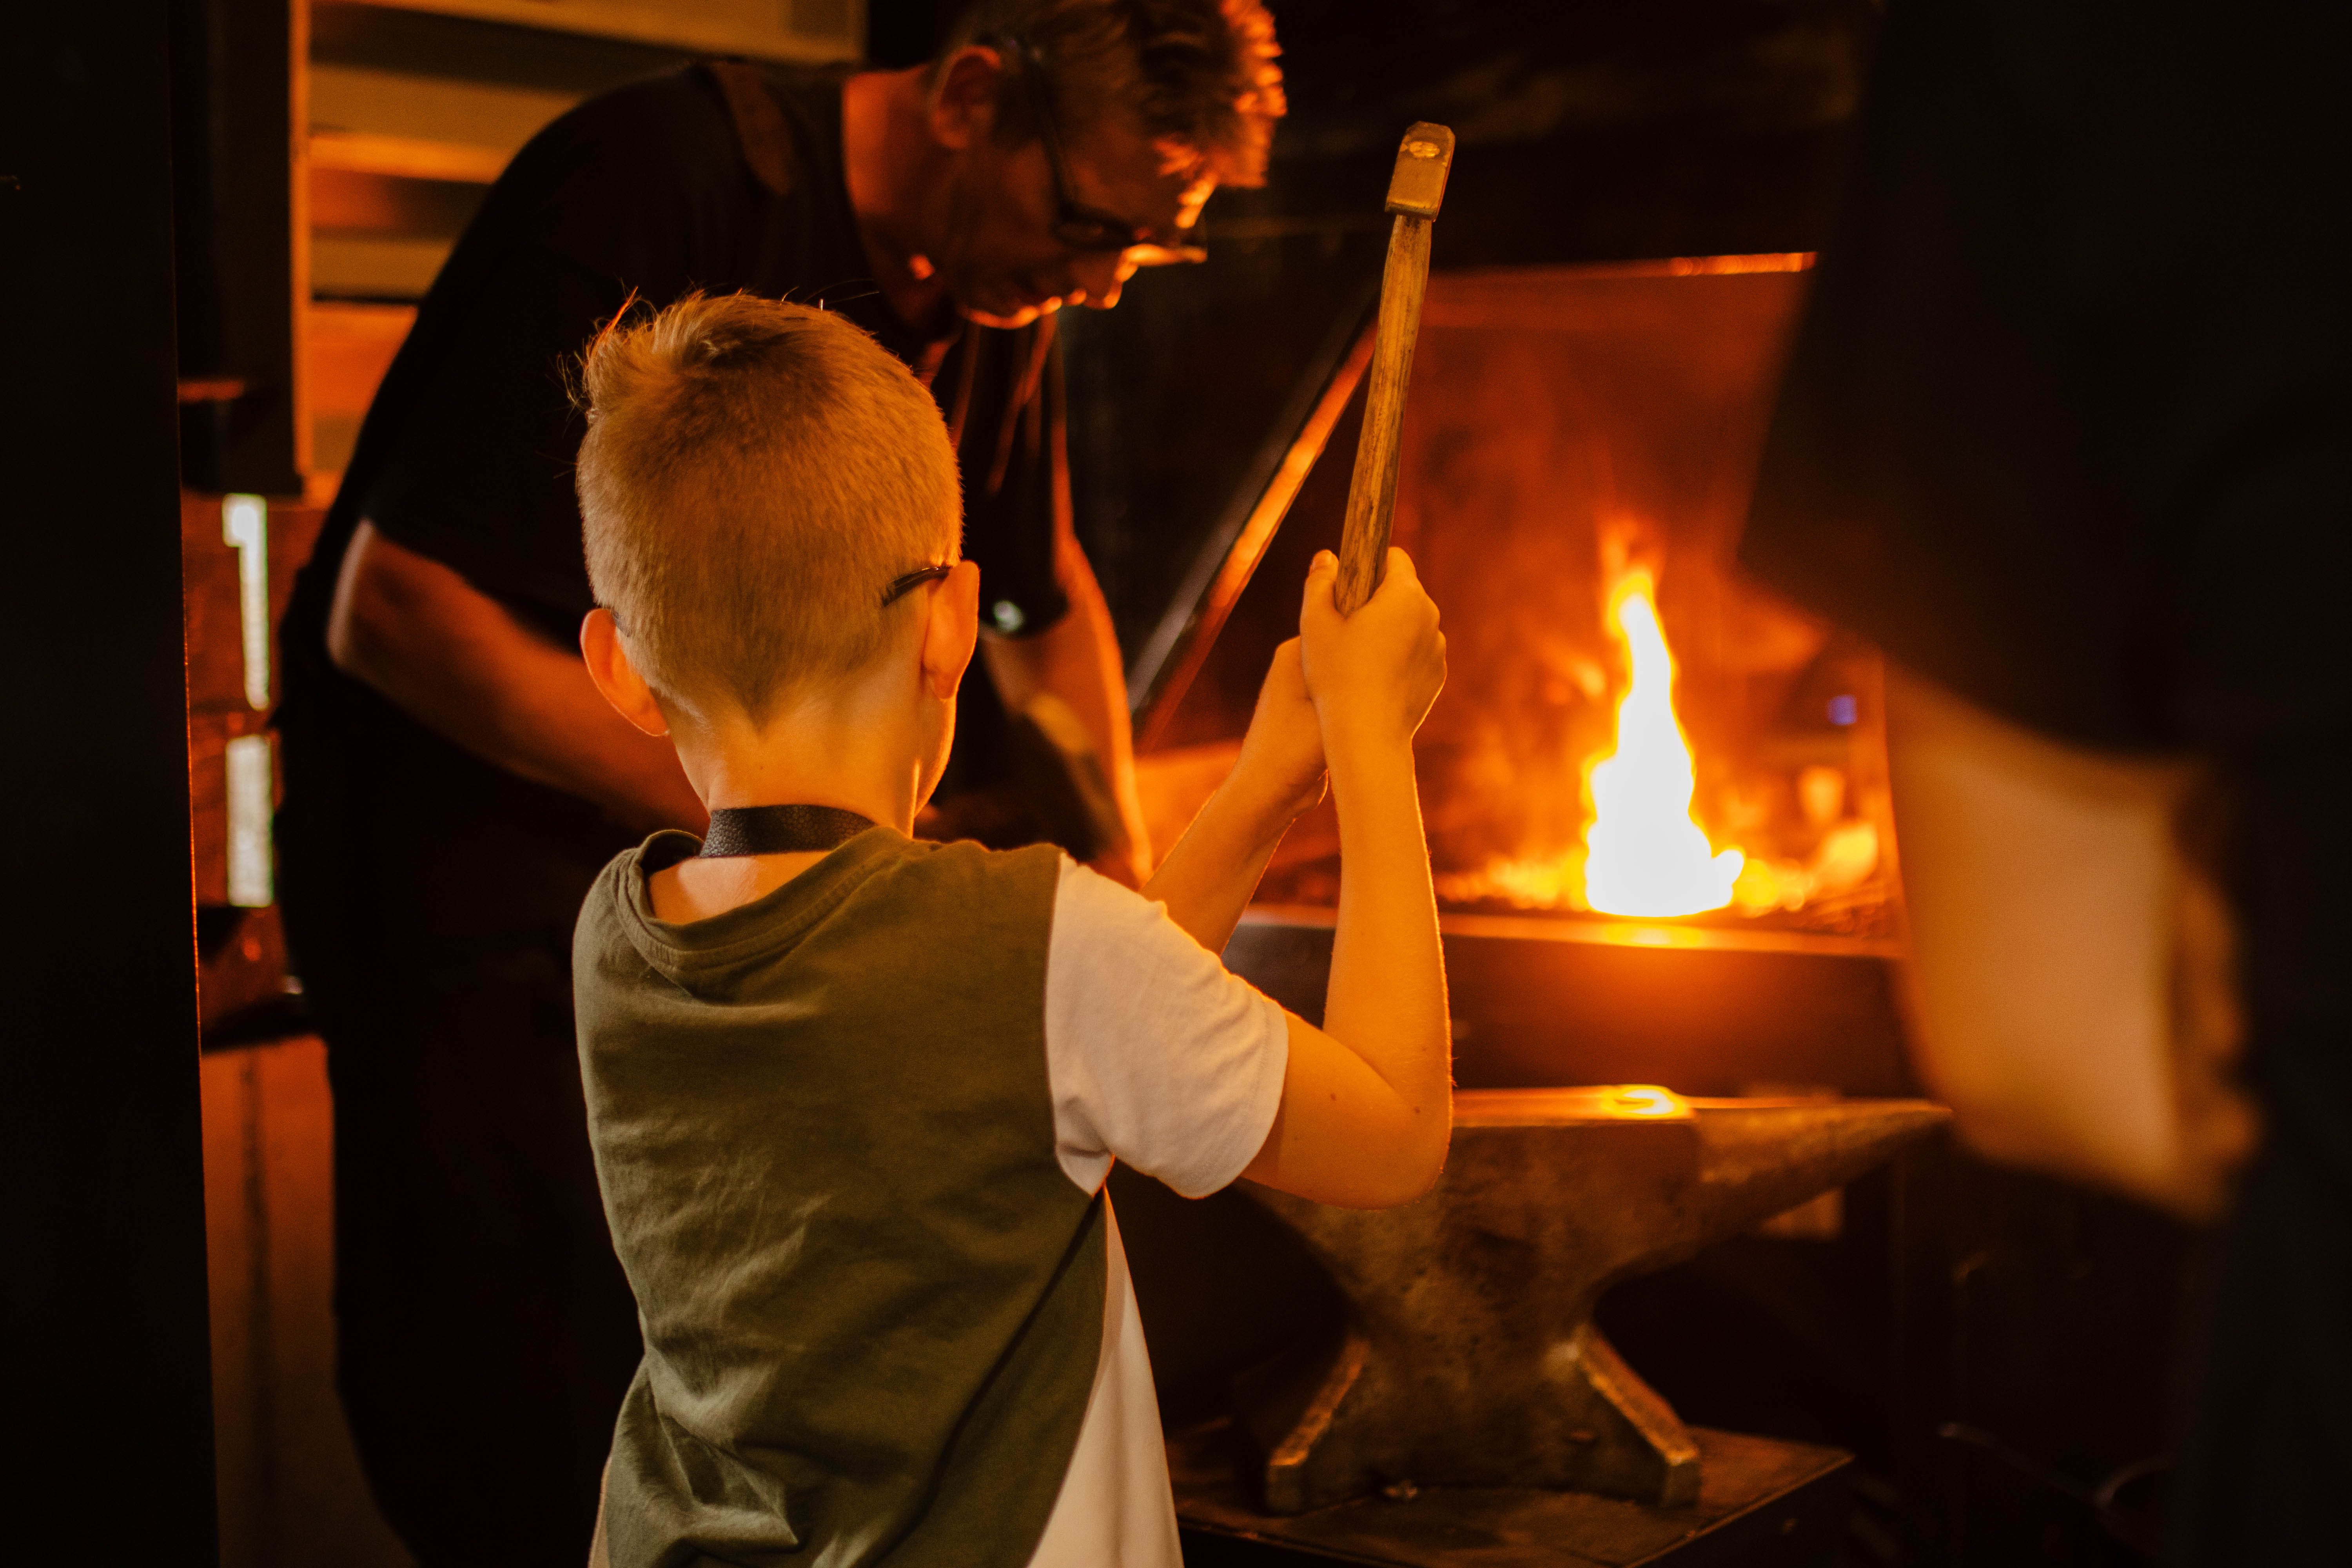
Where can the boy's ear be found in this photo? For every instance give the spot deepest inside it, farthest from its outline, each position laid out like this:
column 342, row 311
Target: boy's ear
column 608, row 665
column 951, row 630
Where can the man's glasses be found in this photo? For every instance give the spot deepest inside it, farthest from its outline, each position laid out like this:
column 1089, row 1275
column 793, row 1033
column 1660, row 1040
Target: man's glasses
column 1076, row 225
column 902, row 587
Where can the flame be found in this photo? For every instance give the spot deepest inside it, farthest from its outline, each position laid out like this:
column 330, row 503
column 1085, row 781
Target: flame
column 1644, row 855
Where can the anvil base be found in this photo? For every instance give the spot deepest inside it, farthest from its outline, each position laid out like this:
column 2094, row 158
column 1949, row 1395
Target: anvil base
column 1762, row 1503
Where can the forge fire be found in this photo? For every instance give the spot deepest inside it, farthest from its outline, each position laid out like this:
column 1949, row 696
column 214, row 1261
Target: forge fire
column 1632, row 729
column 1643, row 852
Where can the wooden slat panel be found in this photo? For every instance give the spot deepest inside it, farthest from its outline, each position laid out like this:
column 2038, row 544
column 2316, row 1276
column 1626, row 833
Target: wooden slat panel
column 209, row 738
column 406, row 157
column 347, row 201
column 351, row 347
column 209, row 570
column 372, row 100
column 773, row 29
column 218, row 711
column 353, row 266
column 290, row 1488
column 209, row 601
column 240, row 971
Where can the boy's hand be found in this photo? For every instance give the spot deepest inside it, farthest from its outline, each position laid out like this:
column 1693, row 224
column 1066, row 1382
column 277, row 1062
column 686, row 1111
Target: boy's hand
column 1282, row 755
column 1372, row 675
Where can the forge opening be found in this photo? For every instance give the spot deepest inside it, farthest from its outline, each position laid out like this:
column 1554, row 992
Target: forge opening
column 1630, row 730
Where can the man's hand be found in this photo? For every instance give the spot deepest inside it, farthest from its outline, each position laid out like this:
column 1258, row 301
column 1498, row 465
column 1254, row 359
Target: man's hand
column 1077, row 661
column 2220, row 1124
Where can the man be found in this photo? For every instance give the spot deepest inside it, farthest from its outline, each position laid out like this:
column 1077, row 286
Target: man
column 438, row 715
column 2064, row 431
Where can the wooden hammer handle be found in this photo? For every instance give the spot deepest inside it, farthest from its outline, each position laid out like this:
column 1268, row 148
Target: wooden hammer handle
column 1414, row 190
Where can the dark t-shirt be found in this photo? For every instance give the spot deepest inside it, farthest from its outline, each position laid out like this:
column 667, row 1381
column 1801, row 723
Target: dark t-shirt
column 2066, row 431
column 467, row 455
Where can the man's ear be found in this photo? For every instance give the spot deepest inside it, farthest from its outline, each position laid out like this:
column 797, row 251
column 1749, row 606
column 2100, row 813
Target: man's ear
column 952, row 630
column 608, row 665
column 963, row 97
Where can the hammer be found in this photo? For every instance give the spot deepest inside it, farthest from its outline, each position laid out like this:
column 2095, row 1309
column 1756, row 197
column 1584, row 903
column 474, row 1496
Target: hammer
column 1414, row 190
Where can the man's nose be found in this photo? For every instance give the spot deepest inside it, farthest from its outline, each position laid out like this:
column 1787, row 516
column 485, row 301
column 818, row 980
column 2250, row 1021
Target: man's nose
column 1099, row 276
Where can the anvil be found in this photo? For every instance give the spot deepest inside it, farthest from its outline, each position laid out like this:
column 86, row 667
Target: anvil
column 1469, row 1357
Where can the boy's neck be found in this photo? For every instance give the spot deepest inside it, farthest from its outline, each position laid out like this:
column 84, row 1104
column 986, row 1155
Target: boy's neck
column 850, row 758
column 873, row 741
column 847, row 760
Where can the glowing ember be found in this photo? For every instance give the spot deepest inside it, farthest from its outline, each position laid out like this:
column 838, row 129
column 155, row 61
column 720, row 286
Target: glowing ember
column 1644, row 855
column 1645, row 1100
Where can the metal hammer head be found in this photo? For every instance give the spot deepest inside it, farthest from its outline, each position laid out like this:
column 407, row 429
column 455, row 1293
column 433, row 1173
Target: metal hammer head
column 1423, row 162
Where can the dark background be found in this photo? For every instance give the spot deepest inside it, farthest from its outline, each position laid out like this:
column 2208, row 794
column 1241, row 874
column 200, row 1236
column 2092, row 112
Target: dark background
column 232, row 231
column 105, row 1383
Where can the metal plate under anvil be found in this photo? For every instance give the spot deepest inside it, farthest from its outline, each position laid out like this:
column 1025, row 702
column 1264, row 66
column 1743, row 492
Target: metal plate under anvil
column 1764, row 1503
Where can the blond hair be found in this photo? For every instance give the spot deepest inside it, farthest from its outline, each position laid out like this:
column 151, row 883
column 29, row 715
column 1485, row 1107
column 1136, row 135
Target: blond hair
column 755, row 475
column 1200, row 74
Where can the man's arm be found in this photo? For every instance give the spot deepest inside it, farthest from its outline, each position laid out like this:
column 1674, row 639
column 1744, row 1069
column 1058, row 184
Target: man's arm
column 457, row 661
column 2071, row 972
column 1077, row 659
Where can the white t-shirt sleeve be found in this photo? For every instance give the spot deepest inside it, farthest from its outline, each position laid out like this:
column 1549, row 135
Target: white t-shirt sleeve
column 1157, row 1054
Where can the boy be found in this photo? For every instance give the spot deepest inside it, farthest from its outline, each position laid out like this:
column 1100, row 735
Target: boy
column 853, row 1096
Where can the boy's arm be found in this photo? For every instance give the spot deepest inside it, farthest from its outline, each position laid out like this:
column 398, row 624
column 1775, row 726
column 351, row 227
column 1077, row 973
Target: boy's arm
column 1367, row 1102
column 1208, row 877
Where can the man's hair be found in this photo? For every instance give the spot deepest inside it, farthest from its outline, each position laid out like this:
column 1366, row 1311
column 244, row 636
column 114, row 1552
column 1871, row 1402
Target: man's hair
column 755, row 475
column 1199, row 73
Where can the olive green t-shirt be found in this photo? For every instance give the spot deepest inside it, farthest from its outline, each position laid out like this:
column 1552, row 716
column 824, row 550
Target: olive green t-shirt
column 872, row 1299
